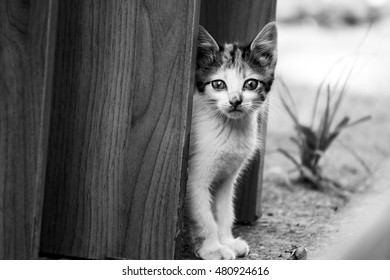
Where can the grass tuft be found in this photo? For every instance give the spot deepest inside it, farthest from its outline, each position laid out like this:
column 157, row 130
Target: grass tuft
column 314, row 140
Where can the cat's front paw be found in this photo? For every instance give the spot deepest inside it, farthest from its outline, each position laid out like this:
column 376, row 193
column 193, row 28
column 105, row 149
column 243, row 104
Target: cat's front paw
column 216, row 252
column 239, row 246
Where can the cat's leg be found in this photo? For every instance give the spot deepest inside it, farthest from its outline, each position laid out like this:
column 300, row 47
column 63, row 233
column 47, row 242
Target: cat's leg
column 205, row 229
column 224, row 211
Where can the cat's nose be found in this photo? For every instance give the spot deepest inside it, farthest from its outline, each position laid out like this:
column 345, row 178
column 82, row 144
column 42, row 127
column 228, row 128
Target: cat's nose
column 235, row 102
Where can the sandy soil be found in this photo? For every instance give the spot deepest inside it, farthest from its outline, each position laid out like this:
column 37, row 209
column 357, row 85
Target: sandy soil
column 291, row 219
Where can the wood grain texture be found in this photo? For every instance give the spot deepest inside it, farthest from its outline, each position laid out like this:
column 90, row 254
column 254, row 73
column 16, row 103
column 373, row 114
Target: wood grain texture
column 120, row 122
column 27, row 31
column 240, row 21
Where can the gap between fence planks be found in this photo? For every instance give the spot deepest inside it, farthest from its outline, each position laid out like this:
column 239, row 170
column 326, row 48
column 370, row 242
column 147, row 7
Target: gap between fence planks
column 27, row 33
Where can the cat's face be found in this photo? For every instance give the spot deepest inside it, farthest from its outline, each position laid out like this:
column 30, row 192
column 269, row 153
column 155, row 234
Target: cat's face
column 234, row 80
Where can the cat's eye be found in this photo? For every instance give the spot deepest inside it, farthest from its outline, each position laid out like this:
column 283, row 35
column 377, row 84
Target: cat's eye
column 251, row 84
column 218, row 85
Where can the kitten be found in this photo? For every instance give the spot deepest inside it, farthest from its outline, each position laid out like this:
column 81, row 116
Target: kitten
column 232, row 83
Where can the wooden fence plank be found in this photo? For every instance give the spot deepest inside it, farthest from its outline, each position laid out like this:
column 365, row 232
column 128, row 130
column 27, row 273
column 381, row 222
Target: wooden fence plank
column 231, row 21
column 27, row 32
column 119, row 128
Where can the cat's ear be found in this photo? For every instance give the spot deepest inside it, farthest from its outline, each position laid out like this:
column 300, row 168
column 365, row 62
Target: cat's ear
column 207, row 50
column 264, row 46
column 206, row 41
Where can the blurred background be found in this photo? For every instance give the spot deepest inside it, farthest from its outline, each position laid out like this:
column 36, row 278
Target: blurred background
column 313, row 37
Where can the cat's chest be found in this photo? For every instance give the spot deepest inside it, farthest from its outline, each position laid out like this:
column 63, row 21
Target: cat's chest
column 226, row 143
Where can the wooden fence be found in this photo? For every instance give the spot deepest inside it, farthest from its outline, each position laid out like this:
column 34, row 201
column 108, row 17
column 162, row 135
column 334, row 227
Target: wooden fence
column 26, row 69
column 95, row 106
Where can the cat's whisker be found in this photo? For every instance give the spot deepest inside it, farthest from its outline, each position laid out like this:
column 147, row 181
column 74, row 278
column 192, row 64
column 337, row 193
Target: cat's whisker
column 270, row 108
column 278, row 113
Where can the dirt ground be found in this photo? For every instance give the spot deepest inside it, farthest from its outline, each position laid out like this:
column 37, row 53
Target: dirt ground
column 291, row 219
column 325, row 225
column 295, row 216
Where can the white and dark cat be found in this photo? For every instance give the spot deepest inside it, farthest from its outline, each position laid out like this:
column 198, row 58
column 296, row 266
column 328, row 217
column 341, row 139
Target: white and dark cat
column 232, row 83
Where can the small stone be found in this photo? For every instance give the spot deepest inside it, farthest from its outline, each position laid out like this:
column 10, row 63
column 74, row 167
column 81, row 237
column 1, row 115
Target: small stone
column 299, row 253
